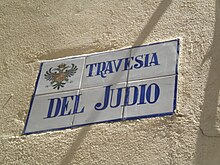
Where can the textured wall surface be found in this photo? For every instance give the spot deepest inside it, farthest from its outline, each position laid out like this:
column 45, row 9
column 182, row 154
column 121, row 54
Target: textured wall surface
column 31, row 31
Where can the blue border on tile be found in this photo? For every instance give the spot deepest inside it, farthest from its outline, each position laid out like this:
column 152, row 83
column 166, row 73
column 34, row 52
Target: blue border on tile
column 156, row 43
column 176, row 77
column 120, row 119
column 149, row 116
column 99, row 122
column 74, row 126
column 32, row 98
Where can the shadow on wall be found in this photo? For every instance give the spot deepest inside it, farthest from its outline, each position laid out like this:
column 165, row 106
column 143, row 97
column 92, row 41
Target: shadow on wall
column 208, row 142
column 140, row 40
column 75, row 146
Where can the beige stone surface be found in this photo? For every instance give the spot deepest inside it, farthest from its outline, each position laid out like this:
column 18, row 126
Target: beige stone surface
column 31, row 31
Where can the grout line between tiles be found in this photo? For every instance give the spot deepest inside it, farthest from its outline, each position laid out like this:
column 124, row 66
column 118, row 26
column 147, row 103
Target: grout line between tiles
column 83, row 70
column 157, row 77
column 80, row 85
column 126, row 85
column 42, row 94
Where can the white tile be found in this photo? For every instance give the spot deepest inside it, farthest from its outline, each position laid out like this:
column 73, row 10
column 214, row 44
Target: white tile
column 95, row 110
column 52, row 111
column 151, row 97
column 66, row 71
column 106, row 68
column 153, row 60
column 81, row 98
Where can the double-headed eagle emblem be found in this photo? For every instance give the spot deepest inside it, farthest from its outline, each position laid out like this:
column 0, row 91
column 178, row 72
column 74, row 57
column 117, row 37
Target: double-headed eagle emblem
column 60, row 75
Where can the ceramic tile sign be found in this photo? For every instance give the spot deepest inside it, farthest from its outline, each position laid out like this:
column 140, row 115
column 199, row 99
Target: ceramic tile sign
column 117, row 85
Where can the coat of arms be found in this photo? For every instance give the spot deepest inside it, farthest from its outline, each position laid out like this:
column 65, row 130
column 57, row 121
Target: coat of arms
column 60, row 75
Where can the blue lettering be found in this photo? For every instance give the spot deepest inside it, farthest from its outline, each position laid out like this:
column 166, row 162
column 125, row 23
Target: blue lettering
column 117, row 66
column 139, row 63
column 149, row 93
column 106, row 99
column 127, row 64
column 51, row 108
column 76, row 105
column 118, row 98
column 108, row 67
column 65, row 106
column 90, row 69
column 61, row 106
column 146, row 60
column 142, row 94
column 101, row 69
column 134, row 94
column 154, row 59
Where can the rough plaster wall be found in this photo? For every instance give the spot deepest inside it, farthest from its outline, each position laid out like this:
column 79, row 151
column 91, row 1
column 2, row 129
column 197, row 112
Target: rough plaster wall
column 39, row 30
